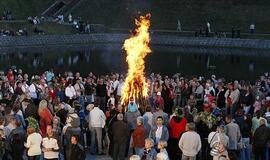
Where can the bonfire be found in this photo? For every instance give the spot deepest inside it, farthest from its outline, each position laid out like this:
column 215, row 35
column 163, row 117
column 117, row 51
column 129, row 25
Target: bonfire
column 137, row 48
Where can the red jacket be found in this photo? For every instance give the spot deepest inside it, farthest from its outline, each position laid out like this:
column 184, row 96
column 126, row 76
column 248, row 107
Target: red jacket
column 138, row 136
column 177, row 128
column 45, row 119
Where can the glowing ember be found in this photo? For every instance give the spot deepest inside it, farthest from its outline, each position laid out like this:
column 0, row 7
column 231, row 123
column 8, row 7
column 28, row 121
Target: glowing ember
column 137, row 47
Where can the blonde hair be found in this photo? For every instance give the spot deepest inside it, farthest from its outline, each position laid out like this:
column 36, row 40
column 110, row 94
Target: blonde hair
column 150, row 140
column 42, row 105
column 163, row 144
column 134, row 157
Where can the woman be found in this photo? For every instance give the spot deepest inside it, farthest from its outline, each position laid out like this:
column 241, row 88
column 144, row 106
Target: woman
column 33, row 144
column 45, row 116
column 246, row 134
column 138, row 136
column 177, row 126
column 217, row 140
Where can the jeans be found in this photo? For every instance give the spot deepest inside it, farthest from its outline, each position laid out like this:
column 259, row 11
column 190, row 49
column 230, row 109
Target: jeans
column 96, row 134
column 246, row 109
column 139, row 151
column 188, row 157
column 89, row 99
column 81, row 101
column 245, row 153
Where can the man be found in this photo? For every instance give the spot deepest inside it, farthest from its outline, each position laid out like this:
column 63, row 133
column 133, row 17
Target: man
column 233, row 132
column 160, row 132
column 260, row 141
column 50, row 145
column 97, row 122
column 232, row 96
column 101, row 92
column 70, row 92
column 190, row 143
column 89, row 90
column 120, row 137
column 79, row 88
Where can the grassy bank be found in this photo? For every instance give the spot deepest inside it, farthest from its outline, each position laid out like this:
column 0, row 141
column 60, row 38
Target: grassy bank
column 48, row 27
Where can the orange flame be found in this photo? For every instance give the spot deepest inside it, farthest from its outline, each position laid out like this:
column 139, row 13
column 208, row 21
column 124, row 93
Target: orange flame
column 137, row 47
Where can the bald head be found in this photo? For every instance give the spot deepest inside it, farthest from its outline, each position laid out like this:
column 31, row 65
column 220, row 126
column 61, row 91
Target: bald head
column 120, row 117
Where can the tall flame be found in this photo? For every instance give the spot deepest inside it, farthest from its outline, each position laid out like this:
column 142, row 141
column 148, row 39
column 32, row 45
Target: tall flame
column 137, row 47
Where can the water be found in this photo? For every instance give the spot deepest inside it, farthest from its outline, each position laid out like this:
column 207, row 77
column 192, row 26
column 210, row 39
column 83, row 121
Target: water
column 107, row 58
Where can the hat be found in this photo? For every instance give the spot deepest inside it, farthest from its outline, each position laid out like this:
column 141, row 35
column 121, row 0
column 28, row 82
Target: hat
column 158, row 93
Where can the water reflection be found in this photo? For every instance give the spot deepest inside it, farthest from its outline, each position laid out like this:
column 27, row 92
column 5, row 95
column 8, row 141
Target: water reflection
column 106, row 58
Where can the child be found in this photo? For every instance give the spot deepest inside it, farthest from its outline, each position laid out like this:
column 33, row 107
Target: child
column 163, row 154
column 149, row 153
column 111, row 101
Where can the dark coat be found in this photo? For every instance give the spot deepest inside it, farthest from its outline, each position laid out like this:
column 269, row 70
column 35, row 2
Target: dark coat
column 77, row 153
column 120, row 132
column 261, row 137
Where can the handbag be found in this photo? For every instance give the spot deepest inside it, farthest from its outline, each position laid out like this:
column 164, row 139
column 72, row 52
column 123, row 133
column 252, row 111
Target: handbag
column 215, row 149
column 240, row 144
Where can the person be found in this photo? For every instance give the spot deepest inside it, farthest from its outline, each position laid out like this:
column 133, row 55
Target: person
column 177, row 127
column 252, row 28
column 70, row 18
column 45, row 116
column 159, row 113
column 70, row 92
column 179, row 28
column 217, row 140
column 16, row 140
column 160, row 132
column 149, row 152
column 260, row 141
column 190, row 143
column 148, row 115
column 2, row 143
column 50, row 145
column 138, row 136
column 101, row 92
column 233, row 132
column 163, row 154
column 33, row 144
column 78, row 152
column 120, row 137
column 97, row 121
column 89, row 90
column 246, row 136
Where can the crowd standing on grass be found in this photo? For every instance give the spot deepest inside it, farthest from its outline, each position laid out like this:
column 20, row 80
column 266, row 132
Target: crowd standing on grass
column 63, row 116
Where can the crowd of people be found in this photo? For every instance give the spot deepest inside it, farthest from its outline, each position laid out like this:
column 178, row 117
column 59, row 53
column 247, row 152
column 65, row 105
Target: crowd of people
column 65, row 116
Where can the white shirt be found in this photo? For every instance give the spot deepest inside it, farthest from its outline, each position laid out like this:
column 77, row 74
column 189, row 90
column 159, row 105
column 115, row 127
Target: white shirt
column 78, row 88
column 97, row 118
column 190, row 143
column 158, row 134
column 33, row 143
column 32, row 90
column 120, row 89
column 50, row 143
column 70, row 92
